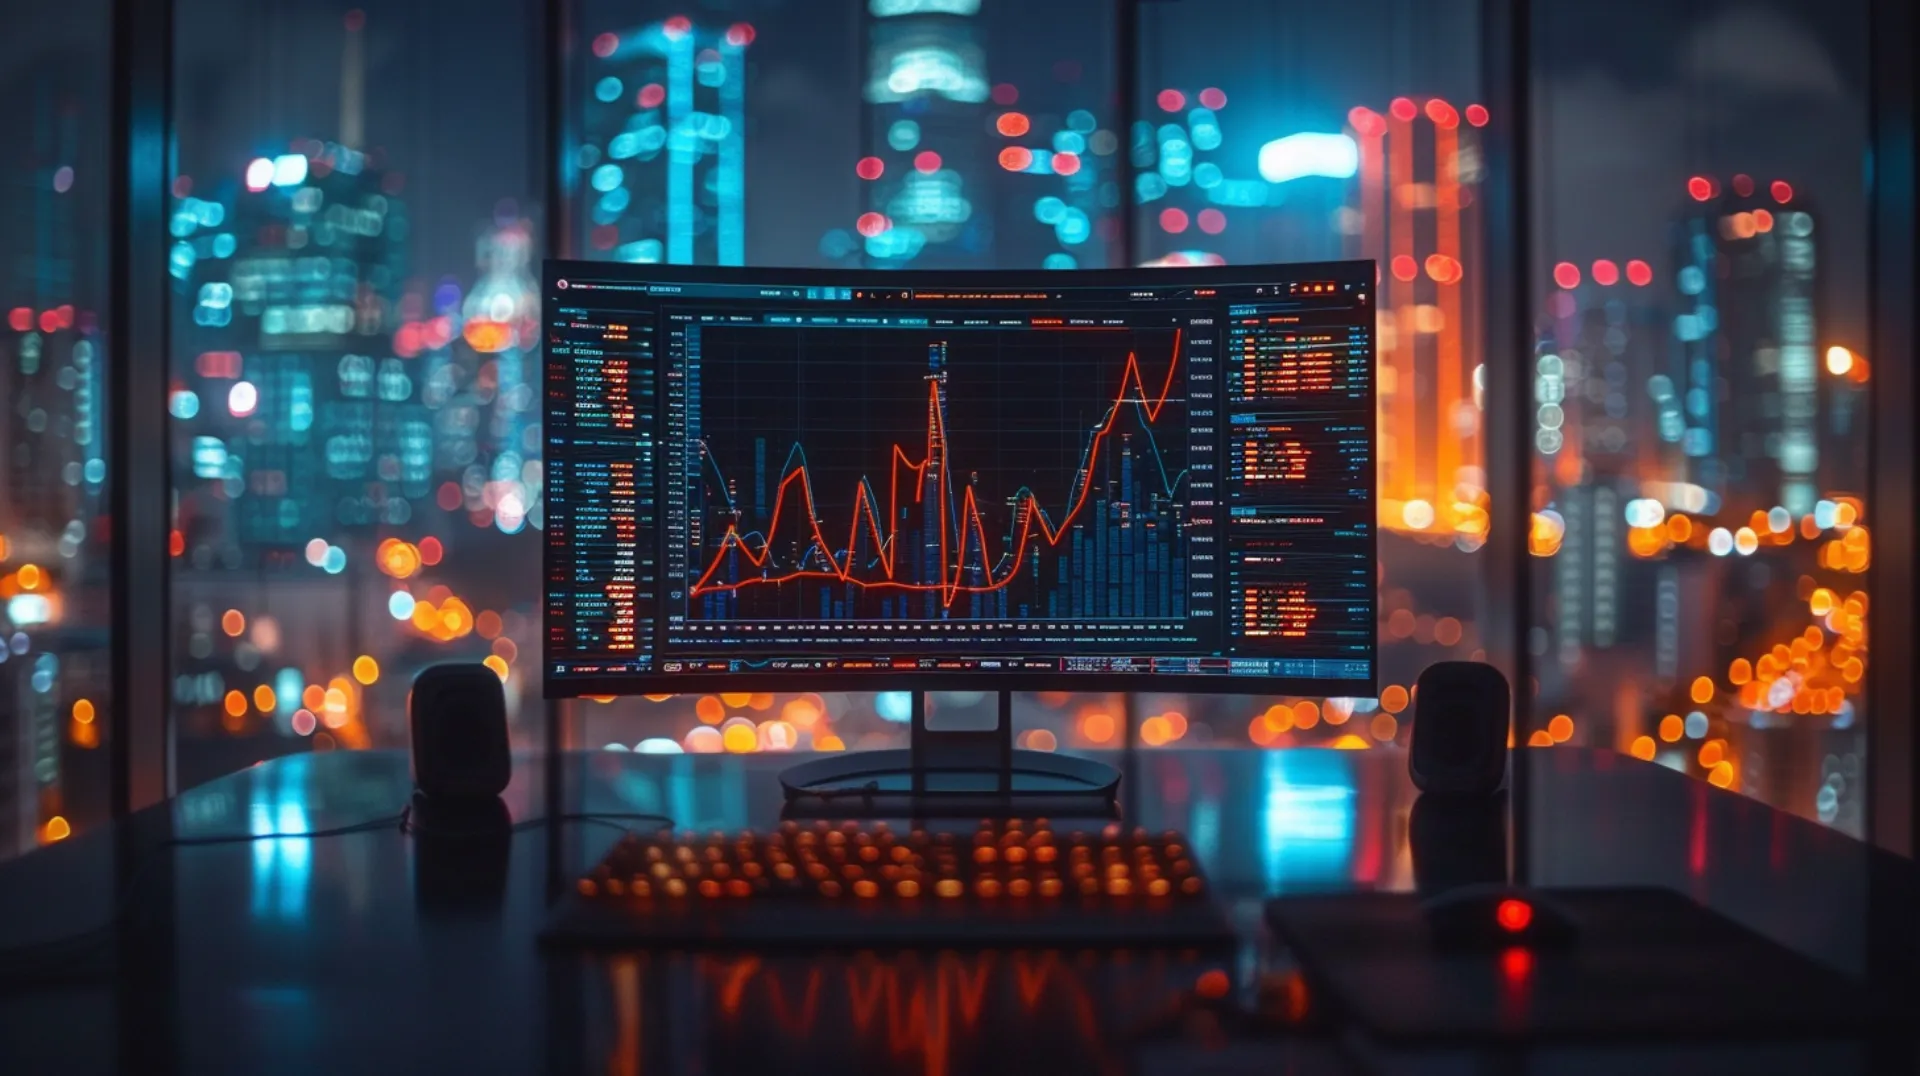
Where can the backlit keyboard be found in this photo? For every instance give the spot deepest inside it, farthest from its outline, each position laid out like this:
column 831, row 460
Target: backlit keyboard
column 867, row 883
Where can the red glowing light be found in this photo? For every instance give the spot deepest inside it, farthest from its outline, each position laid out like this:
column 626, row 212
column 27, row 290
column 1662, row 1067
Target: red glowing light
column 176, row 543
column 926, row 161
column 740, row 35
column 1403, row 109
column 604, row 45
column 1513, row 915
column 64, row 315
column 651, row 95
column 20, row 319
column 1066, row 164
column 430, row 551
column 1516, row 964
column 870, row 168
column 1016, row 158
column 1005, row 93
column 1173, row 220
column 438, row 332
column 1404, row 267
column 1639, row 273
column 604, row 237
column 1477, row 115
column 1762, row 220
column 182, row 186
column 1212, row 221
column 1567, row 275
column 872, row 224
column 1743, row 185
column 1012, row 124
column 1366, row 121
column 448, row 496
column 1605, row 273
column 1212, row 984
column 1171, row 100
column 49, row 321
column 1213, row 97
column 677, row 27
column 1782, row 191
column 1700, row 187
column 406, row 340
column 1442, row 114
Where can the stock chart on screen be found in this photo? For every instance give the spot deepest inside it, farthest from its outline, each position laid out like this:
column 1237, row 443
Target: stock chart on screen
column 804, row 479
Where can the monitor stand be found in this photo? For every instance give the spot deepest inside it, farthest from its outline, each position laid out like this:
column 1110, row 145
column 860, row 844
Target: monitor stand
column 973, row 771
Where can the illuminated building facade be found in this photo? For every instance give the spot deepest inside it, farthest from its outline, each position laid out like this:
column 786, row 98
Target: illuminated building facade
column 53, row 474
column 663, row 148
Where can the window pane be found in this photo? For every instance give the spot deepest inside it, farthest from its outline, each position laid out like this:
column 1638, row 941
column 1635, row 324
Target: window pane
column 1700, row 388
column 1297, row 133
column 877, row 133
column 355, row 447
column 54, row 568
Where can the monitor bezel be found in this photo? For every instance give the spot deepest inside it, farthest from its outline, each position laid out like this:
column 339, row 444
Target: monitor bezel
column 1363, row 271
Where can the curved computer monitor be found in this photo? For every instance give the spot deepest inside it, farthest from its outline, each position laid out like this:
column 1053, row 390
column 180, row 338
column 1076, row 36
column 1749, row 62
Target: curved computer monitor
column 790, row 479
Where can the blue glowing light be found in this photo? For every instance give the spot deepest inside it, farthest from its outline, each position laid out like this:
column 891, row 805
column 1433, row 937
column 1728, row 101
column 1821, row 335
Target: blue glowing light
column 1081, row 120
column 184, row 404
column 1069, row 142
column 895, row 706
column 1148, row 187
column 1206, row 176
column 1073, row 227
column 335, row 561
column 1335, row 156
column 287, row 685
column 290, row 170
column 400, row 605
column 607, row 89
column 1059, row 259
column 224, row 245
column 903, row 135
column 1047, row 210
column 607, row 177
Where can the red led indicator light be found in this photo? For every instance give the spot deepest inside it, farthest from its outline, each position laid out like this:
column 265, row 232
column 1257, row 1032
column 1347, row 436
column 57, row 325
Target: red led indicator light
column 1514, row 915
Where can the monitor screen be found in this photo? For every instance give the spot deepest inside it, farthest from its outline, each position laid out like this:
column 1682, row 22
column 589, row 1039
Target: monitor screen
column 773, row 479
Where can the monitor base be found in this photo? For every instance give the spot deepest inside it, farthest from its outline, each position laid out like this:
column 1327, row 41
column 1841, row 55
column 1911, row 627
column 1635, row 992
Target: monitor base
column 966, row 772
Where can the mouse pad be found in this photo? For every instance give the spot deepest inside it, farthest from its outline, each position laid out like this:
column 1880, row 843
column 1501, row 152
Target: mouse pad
column 1648, row 964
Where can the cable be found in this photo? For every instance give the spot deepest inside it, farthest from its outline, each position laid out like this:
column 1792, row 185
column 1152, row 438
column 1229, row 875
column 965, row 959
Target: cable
column 403, row 822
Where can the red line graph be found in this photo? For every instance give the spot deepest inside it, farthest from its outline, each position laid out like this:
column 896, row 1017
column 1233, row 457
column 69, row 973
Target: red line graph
column 1032, row 518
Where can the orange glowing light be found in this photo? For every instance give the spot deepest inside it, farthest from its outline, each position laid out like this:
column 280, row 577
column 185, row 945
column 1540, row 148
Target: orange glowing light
column 1016, row 158
column 488, row 624
column 57, row 829
column 1721, row 776
column 1012, row 124
column 1042, row 740
column 1679, row 528
column 1513, row 915
column 1393, row 699
column 236, row 704
column 1540, row 738
column 1671, row 728
column 1702, row 690
column 1739, row 672
column 365, row 669
column 1446, row 631
column 709, row 710
column 1560, row 728
column 486, row 336
column 83, row 711
column 829, row 742
column 1155, row 731
column 1384, row 727
column 1712, row 752
column 802, row 713
column 263, row 699
column 233, row 621
column 30, row 577
column 1097, row 727
column 1261, row 733
column 1350, row 742
column 1643, row 748
column 397, row 558
column 739, row 739
column 736, row 700
column 314, row 697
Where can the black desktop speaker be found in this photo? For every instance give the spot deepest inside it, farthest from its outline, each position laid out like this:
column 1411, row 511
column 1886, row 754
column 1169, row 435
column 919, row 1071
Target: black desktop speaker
column 459, row 719
column 1459, row 745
